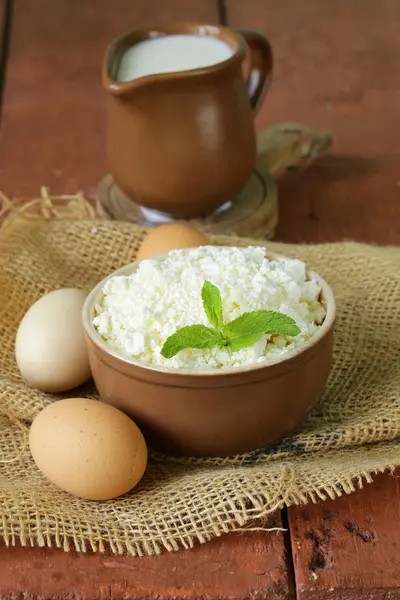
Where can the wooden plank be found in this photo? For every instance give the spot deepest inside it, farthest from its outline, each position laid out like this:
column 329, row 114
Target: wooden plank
column 3, row 7
column 53, row 133
column 341, row 198
column 248, row 566
column 349, row 548
column 335, row 69
column 3, row 37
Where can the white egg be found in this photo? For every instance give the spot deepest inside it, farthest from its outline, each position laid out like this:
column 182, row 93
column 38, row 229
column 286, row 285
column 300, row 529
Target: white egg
column 50, row 346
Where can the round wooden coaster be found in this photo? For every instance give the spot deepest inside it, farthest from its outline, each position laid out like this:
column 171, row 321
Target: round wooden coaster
column 252, row 213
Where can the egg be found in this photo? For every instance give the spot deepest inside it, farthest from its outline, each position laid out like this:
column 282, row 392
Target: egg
column 87, row 448
column 50, row 346
column 170, row 236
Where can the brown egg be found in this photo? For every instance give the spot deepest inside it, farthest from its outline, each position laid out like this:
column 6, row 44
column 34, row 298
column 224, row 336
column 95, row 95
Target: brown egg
column 88, row 448
column 50, row 346
column 171, row 236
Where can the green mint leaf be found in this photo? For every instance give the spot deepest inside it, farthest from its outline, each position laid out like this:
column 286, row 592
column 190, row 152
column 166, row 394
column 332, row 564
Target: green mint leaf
column 212, row 304
column 249, row 327
column 192, row 336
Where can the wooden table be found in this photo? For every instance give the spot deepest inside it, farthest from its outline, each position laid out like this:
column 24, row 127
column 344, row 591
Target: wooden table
column 337, row 67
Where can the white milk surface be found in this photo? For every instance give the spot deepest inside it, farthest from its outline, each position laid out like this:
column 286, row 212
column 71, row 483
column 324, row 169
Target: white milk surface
column 170, row 54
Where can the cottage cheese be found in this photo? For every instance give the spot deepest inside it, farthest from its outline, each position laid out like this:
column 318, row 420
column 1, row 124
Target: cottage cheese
column 137, row 313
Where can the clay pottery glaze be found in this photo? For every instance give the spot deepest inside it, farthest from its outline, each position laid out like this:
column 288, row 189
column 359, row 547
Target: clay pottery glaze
column 213, row 413
column 184, row 142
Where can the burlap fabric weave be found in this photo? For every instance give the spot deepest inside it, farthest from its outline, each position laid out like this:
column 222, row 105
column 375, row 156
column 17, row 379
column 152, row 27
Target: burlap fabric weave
column 353, row 433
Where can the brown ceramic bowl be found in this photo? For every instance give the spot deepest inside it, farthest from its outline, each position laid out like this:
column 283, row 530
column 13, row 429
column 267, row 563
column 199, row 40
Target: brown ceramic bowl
column 213, row 413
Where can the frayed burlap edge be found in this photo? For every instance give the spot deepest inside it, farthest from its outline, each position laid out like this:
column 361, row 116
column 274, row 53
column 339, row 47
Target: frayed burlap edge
column 251, row 516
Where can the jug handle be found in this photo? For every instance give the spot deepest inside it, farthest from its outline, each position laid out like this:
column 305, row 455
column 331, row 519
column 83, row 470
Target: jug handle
column 261, row 65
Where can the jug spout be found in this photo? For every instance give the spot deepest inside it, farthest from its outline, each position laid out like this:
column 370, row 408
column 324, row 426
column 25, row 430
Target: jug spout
column 118, row 88
column 111, row 63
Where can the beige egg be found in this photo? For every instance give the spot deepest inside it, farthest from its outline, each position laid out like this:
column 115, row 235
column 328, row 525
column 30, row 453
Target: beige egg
column 50, row 346
column 88, row 448
column 171, row 236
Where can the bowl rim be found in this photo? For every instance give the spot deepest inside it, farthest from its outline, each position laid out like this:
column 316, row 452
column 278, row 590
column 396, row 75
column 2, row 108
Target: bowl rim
column 299, row 351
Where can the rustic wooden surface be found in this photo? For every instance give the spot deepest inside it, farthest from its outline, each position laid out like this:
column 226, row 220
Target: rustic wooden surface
column 336, row 67
column 349, row 549
column 3, row 9
column 3, row 39
column 211, row 571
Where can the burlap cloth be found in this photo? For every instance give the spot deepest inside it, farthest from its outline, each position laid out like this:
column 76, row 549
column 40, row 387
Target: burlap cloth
column 352, row 434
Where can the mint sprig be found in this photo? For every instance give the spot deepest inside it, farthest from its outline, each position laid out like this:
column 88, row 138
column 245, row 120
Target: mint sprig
column 237, row 334
column 192, row 336
column 212, row 304
column 250, row 326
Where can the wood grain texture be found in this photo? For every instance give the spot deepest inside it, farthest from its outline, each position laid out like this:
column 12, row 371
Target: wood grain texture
column 3, row 8
column 349, row 548
column 3, row 38
column 341, row 198
column 54, row 109
column 336, row 69
column 238, row 566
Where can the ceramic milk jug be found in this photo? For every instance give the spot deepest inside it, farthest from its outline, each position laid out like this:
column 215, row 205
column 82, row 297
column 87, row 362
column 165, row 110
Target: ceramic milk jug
column 180, row 135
